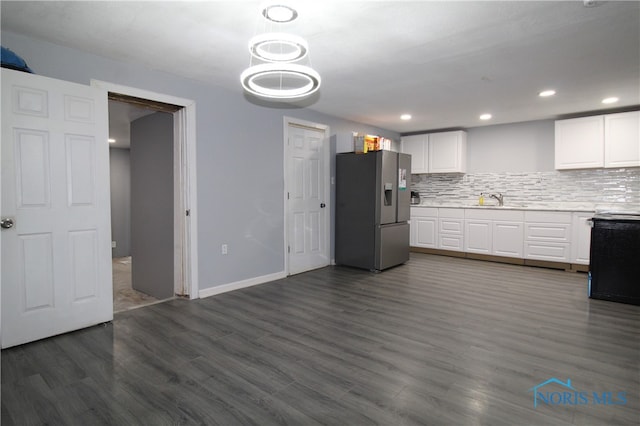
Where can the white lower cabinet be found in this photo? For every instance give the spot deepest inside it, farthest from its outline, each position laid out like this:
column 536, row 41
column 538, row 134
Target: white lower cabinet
column 523, row 234
column 451, row 229
column 581, row 238
column 494, row 232
column 424, row 227
column 508, row 239
column 478, row 236
column 547, row 236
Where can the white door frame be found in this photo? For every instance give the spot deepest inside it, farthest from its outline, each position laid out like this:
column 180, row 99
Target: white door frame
column 327, row 187
column 185, row 210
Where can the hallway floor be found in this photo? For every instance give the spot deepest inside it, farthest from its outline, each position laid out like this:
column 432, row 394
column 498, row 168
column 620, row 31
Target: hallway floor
column 124, row 296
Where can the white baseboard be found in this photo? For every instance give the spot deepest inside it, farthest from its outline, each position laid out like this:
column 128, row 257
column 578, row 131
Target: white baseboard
column 240, row 284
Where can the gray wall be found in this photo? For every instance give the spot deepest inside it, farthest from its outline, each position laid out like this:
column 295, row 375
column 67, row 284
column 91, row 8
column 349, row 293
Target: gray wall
column 120, row 201
column 239, row 157
column 517, row 147
column 152, row 205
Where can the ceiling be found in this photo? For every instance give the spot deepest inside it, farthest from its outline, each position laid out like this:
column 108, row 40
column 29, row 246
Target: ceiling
column 121, row 115
column 444, row 63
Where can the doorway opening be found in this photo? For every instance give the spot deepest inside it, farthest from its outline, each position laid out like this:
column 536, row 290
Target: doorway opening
column 141, row 149
column 155, row 241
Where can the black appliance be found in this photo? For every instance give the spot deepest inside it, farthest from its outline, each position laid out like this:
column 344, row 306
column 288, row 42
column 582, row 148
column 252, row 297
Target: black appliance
column 415, row 197
column 614, row 268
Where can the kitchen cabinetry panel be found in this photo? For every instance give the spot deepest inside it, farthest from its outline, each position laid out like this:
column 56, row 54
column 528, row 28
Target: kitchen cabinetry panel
column 555, row 252
column 444, row 152
column 508, row 239
column 451, row 229
column 418, row 147
column 611, row 140
column 450, row 242
column 424, row 227
column 477, row 236
column 556, row 232
column 622, row 139
column 547, row 236
column 555, row 236
column 581, row 238
column 451, row 226
column 579, row 143
column 426, row 232
column 448, row 152
column 424, row 212
column 547, row 216
column 495, row 232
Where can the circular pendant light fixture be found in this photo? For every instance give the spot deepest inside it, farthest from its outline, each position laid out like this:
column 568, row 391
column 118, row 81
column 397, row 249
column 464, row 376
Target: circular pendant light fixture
column 277, row 75
column 280, row 81
column 278, row 47
column 280, row 13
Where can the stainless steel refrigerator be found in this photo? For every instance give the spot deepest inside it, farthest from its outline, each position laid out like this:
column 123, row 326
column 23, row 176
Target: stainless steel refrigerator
column 372, row 209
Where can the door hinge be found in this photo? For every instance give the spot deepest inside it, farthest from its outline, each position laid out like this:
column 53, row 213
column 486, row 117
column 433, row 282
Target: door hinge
column 188, row 212
column 288, row 249
column 287, row 195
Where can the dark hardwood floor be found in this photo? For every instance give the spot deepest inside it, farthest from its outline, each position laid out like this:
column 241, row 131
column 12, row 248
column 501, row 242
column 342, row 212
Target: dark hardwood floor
column 437, row 341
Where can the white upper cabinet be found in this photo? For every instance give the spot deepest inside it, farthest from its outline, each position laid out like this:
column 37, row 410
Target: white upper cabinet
column 622, row 139
column 579, row 143
column 611, row 140
column 444, row 152
column 448, row 152
column 418, row 147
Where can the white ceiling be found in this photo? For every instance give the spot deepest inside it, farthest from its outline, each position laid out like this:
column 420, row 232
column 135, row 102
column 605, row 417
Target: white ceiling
column 120, row 117
column 443, row 62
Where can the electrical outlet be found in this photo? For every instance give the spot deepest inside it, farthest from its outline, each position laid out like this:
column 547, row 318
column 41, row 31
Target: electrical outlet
column 224, row 249
column 113, row 244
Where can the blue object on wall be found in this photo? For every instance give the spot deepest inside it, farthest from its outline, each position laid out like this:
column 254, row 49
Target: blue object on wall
column 13, row 61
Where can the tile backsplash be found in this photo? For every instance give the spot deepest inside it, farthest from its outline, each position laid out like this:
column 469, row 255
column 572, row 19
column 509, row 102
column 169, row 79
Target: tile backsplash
column 597, row 186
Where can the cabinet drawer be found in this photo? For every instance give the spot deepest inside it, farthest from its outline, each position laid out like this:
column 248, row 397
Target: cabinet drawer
column 450, row 242
column 556, row 252
column 451, row 213
column 424, row 212
column 494, row 214
column 546, row 217
column 450, row 226
column 551, row 232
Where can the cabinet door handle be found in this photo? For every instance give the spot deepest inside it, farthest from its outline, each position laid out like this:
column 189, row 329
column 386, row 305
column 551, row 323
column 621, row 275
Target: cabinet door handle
column 323, row 205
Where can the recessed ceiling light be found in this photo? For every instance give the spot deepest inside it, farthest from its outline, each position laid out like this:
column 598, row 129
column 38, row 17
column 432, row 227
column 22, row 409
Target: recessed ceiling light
column 485, row 117
column 546, row 93
column 111, row 140
column 279, row 13
column 405, row 117
column 611, row 100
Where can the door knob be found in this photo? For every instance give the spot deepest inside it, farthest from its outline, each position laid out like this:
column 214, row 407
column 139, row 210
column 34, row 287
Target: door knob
column 6, row 223
column 323, row 205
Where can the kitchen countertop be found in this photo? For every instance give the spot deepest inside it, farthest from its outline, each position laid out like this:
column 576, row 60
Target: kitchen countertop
column 560, row 207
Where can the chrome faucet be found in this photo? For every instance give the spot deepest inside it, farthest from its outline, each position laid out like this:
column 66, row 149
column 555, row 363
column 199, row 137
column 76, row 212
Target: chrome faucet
column 498, row 197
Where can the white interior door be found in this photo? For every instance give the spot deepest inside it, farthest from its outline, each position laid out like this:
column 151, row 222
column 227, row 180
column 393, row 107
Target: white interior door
column 56, row 259
column 308, row 212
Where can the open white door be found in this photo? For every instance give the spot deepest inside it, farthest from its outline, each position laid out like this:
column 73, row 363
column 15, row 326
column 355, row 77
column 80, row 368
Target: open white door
column 56, row 258
column 308, row 198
